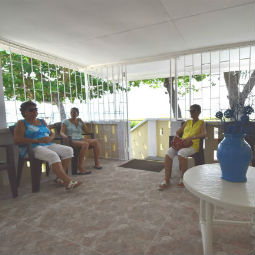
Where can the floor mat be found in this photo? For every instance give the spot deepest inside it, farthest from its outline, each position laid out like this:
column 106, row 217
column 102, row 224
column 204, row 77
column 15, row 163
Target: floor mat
column 147, row 165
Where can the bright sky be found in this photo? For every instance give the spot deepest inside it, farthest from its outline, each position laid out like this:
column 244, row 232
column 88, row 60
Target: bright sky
column 145, row 102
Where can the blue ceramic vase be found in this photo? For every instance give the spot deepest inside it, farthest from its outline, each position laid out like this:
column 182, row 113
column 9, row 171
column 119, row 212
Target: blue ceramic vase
column 234, row 155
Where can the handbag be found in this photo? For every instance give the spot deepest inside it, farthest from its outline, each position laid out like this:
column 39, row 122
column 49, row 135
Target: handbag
column 179, row 143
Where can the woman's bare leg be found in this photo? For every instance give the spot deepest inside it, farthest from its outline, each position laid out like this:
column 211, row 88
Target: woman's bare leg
column 168, row 168
column 183, row 162
column 65, row 163
column 95, row 144
column 58, row 169
column 84, row 146
column 96, row 151
column 168, row 172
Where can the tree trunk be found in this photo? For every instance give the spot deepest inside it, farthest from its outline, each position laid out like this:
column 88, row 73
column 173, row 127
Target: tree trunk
column 168, row 84
column 247, row 88
column 232, row 82
column 60, row 106
column 3, row 123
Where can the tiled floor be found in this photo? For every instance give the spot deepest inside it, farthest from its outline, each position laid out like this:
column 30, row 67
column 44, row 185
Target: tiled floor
column 115, row 211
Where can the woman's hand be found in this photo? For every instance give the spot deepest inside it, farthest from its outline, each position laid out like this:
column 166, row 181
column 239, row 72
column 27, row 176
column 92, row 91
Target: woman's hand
column 187, row 142
column 46, row 139
column 188, row 139
column 63, row 131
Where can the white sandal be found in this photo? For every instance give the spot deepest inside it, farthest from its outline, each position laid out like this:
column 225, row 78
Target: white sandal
column 59, row 181
column 73, row 184
column 163, row 185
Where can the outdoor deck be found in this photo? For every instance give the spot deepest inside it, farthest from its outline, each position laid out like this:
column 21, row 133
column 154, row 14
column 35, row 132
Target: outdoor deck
column 116, row 211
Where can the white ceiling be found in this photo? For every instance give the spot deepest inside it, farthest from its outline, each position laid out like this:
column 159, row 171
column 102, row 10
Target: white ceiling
column 94, row 32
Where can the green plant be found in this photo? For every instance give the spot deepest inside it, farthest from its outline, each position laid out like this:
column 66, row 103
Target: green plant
column 134, row 123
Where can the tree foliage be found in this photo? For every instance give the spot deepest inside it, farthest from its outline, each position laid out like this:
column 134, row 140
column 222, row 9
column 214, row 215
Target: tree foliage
column 184, row 86
column 183, row 83
column 25, row 78
column 98, row 87
column 29, row 78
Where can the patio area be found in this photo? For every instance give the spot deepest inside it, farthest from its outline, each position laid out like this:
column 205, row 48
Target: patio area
column 116, row 211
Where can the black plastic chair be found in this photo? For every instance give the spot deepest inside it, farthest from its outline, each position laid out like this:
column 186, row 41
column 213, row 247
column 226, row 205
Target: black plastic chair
column 35, row 166
column 10, row 167
column 68, row 142
column 199, row 156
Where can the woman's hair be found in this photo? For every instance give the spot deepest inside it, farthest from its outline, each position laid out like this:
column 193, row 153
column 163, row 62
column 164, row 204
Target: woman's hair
column 197, row 107
column 75, row 109
column 24, row 106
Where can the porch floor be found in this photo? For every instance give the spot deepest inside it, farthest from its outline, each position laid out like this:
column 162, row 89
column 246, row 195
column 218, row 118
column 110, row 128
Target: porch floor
column 115, row 211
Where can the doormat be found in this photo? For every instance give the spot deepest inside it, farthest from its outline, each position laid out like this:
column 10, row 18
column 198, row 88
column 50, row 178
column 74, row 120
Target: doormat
column 147, row 165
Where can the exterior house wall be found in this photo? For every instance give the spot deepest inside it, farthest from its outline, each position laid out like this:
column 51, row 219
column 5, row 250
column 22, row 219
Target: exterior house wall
column 150, row 138
column 108, row 140
column 163, row 133
column 139, row 140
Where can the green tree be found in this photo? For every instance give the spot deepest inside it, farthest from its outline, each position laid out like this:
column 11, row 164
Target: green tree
column 235, row 93
column 30, row 79
column 27, row 78
column 184, row 86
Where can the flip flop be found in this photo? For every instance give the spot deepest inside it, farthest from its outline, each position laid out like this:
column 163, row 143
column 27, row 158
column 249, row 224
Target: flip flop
column 163, row 186
column 81, row 173
column 180, row 184
column 73, row 184
column 98, row 167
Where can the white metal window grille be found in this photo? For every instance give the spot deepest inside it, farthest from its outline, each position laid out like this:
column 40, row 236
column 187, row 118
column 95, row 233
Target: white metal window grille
column 107, row 93
column 202, row 78
column 106, row 103
column 100, row 95
column 55, row 88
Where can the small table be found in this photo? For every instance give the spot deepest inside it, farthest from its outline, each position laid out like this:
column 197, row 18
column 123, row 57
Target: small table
column 205, row 182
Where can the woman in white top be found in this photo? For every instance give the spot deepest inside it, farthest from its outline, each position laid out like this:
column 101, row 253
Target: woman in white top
column 74, row 127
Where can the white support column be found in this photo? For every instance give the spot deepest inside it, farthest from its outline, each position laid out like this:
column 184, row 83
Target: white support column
column 122, row 130
column 3, row 123
column 152, row 138
column 129, row 147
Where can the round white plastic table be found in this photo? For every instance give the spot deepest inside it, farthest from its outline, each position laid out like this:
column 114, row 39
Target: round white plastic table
column 205, row 182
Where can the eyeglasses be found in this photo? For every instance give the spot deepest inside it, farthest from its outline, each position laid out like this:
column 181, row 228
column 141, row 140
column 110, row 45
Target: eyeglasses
column 33, row 109
column 192, row 111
